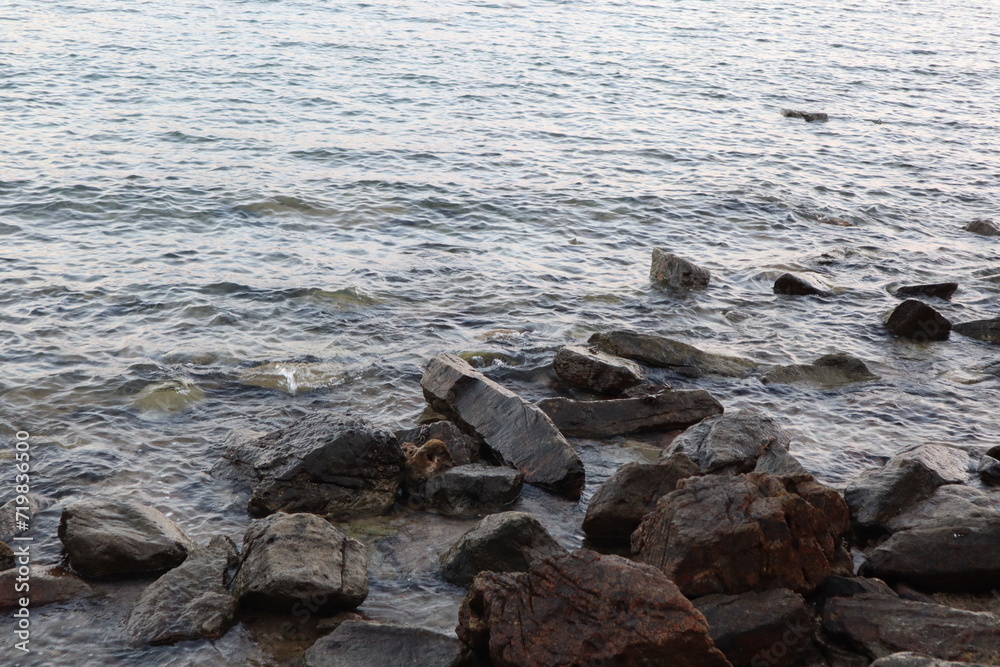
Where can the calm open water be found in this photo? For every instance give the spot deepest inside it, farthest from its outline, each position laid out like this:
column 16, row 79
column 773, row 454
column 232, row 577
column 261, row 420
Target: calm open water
column 219, row 214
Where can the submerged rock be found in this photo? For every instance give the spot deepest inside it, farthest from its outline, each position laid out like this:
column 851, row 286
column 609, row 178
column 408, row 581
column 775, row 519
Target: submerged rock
column 666, row 411
column 667, row 353
column 590, row 369
column 190, row 601
column 504, row 542
column 366, row 644
column 751, row 532
column 462, row 448
column 828, row 370
column 321, row 464
column 983, row 227
column 807, row 116
column 585, row 609
column 516, row 431
column 48, row 585
column 986, row 330
column 919, row 322
column 105, row 537
column 676, row 272
column 168, row 396
column 291, row 377
column 792, row 285
column 300, row 558
column 937, row 290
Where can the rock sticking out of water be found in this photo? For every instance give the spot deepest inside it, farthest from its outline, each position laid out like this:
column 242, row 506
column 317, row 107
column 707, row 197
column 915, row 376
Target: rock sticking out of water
column 918, row 322
column 668, row 353
column 47, row 585
column 365, row 644
column 516, row 431
column 597, row 371
column 985, row 330
column 829, row 370
column 792, row 285
column 472, row 489
column 936, row 290
column 666, row 411
column 807, row 116
column 677, row 273
column 168, row 396
column 989, row 467
column 983, row 227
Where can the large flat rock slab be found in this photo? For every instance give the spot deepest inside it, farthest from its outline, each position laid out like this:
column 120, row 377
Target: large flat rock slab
column 666, row 411
column 673, row 354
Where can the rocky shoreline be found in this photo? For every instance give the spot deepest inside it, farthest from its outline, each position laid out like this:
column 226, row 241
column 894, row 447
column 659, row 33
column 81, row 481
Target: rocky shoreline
column 724, row 552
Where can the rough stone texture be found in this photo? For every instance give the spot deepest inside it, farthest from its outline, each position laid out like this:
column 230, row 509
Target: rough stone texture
column 735, row 443
column 937, row 290
column 504, row 542
column 752, row 625
column 666, row 411
column 881, row 625
column 676, row 272
column 9, row 516
column 989, row 466
column 946, row 503
column 289, row 558
column 591, row 369
column 364, row 644
column 919, row 322
column 807, row 116
column 6, row 556
column 983, row 227
column 463, row 448
column 48, row 585
column 190, row 601
column 516, row 431
column 917, row 660
column 829, row 370
column 104, row 537
column 476, row 487
column 753, row 532
column 585, row 609
column 667, row 353
column 986, row 330
column 792, row 285
column 620, row 503
column 839, row 586
column 321, row 464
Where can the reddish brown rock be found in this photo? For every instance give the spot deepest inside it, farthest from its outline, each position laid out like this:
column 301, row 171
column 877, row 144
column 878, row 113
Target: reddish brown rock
column 47, row 585
column 585, row 609
column 752, row 532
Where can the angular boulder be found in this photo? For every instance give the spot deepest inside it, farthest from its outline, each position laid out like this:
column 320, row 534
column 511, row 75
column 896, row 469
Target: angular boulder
column 597, row 371
column 585, row 609
column 985, row 330
column 48, row 585
column 120, row 537
column 365, row 644
column 792, row 285
column 667, row 353
column 936, row 290
column 829, row 370
column 516, row 431
column 619, row 504
column 918, row 322
column 676, row 272
column 666, row 411
column 989, row 467
column 983, row 227
column 300, row 558
column 504, row 542
column 472, row 488
column 190, row 601
column 321, row 464
column 462, row 447
column 753, row 532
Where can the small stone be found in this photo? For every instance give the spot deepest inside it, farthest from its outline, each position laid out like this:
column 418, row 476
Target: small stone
column 985, row 330
column 989, row 467
column 792, row 285
column 807, row 116
column 983, row 227
column 919, row 322
column 585, row 368
column 676, row 272
column 937, row 290
column 366, row 644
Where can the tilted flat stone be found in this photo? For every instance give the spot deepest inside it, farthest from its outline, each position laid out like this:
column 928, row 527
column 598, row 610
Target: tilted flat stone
column 667, row 353
column 937, row 290
column 365, row 644
column 919, row 322
column 292, row 558
column 586, row 368
column 516, row 431
column 105, row 537
column 790, row 284
column 676, row 272
column 47, row 585
column 985, row 330
column 665, row 411
column 829, row 370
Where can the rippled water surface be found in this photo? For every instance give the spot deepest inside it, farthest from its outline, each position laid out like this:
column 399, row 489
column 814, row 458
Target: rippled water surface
column 223, row 214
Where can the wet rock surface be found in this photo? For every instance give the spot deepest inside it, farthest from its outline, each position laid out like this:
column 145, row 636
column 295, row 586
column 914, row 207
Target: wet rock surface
column 516, row 431
column 585, row 609
column 48, row 585
column 323, row 464
column 666, row 411
column 472, row 488
column 985, row 330
column 675, row 272
column 983, row 227
column 793, row 285
column 591, row 369
column 989, row 467
column 365, row 644
column 936, row 290
column 667, row 353
column 807, row 116
column 918, row 322
column 828, row 370
column 120, row 537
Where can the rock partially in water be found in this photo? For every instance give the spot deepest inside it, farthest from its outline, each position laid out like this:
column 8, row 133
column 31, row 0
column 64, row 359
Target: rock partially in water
column 291, row 377
column 829, row 370
column 880, row 625
column 936, row 290
column 585, row 609
column 321, row 464
column 190, row 601
column 504, row 542
column 739, row 442
column 300, row 558
column 487, row 358
column 516, row 431
column 983, row 227
column 9, row 515
column 807, row 116
column 168, row 396
column 366, row 644
column 986, row 330
column 666, row 411
column 632, row 492
column 597, row 371
column 6, row 556
column 462, row 448
column 918, row 322
column 120, row 537
column 792, row 285
column 473, row 488
column 751, row 532
column 677, row 273
column 910, row 659
column 989, row 467
column 48, row 585
column 667, row 353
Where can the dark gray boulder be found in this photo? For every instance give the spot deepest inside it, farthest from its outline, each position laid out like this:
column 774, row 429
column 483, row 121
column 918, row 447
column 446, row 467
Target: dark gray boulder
column 472, row 488
column 916, row 660
column 462, row 447
column 840, row 586
column 807, row 116
column 792, row 285
column 667, row 353
column 983, row 227
column 300, row 558
column 120, row 537
column 936, row 290
column 918, row 322
column 190, row 601
column 48, row 585
column 321, row 464
column 985, row 330
column 619, row 504
column 989, row 467
column 677, row 273
column 665, row 411
column 517, row 432
column 597, row 371
column 504, row 542
column 365, row 644
column 830, row 370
